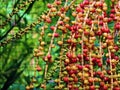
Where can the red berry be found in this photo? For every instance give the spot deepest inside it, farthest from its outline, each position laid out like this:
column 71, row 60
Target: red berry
column 112, row 15
column 58, row 2
column 66, row 79
column 49, row 56
column 82, row 5
column 68, row 68
column 48, row 20
column 106, row 79
column 38, row 68
column 99, row 33
column 78, row 9
column 62, row 9
column 102, row 84
column 101, row 23
column 100, row 64
column 79, row 56
column 99, row 72
column 75, row 79
column 80, row 67
column 110, row 19
column 116, row 88
column 56, row 34
column 116, row 48
column 69, row 55
column 91, row 80
column 102, row 76
column 112, row 10
column 74, row 60
column 105, row 87
column 109, row 37
column 49, row 5
column 52, row 27
column 92, row 88
column 86, row 33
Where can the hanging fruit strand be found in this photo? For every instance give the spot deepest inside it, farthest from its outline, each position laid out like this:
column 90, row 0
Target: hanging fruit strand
column 52, row 39
column 82, row 45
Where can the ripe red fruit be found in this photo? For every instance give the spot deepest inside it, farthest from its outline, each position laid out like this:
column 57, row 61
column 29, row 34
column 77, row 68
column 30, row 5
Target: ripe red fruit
column 56, row 34
column 101, row 23
column 105, row 30
column 99, row 33
column 38, row 68
column 115, row 19
column 116, row 88
column 92, row 87
column 89, row 22
column 110, row 19
column 69, row 41
column 108, row 72
column 80, row 67
column 109, row 37
column 106, row 79
column 49, row 56
column 86, row 33
column 69, row 55
column 79, row 56
column 113, row 65
column 100, row 64
column 87, row 66
column 116, row 48
column 105, row 87
column 87, row 58
column 58, row 2
column 100, row 4
column 116, row 57
column 85, row 50
column 49, row 5
column 102, row 76
column 112, row 15
column 98, row 61
column 76, row 35
column 78, row 9
column 105, row 14
column 75, row 79
column 76, row 88
column 71, row 72
column 101, row 17
column 99, row 72
column 102, row 84
column 52, row 27
column 91, row 80
column 62, row 9
column 66, row 79
column 61, row 22
column 48, row 20
column 82, row 5
column 74, row 60
column 70, row 86
column 94, row 60
column 112, row 10
column 68, row 68
column 86, row 2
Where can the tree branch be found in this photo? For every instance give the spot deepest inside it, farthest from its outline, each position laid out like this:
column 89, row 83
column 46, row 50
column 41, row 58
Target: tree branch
column 30, row 6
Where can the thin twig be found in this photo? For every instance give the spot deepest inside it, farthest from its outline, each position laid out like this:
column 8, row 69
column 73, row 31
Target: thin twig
column 30, row 6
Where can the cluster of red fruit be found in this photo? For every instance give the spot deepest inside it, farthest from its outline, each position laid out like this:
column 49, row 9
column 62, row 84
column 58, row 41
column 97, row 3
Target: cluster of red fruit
column 88, row 56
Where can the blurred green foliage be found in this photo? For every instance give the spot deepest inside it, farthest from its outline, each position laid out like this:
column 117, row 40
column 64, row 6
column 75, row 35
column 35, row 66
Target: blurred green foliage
column 15, row 57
